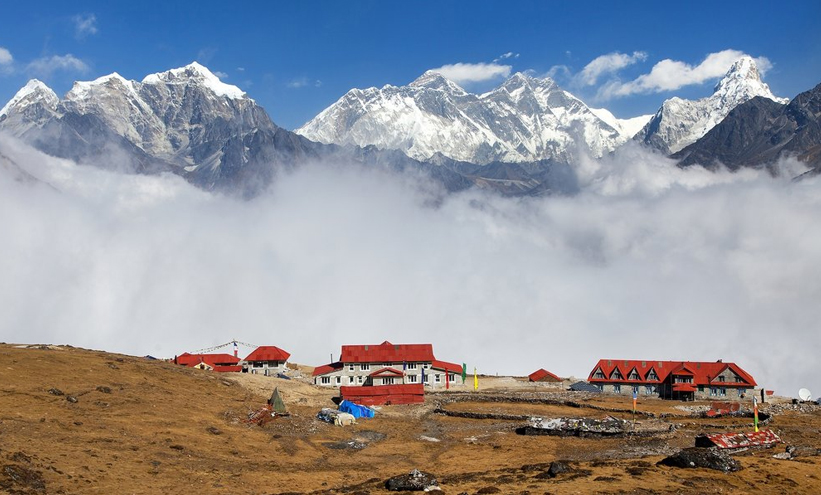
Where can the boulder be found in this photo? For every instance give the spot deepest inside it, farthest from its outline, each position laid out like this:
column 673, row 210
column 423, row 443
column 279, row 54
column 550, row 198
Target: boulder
column 697, row 457
column 415, row 481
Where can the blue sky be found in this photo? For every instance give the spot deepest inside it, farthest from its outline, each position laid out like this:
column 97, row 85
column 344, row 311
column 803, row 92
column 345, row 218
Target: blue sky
column 296, row 58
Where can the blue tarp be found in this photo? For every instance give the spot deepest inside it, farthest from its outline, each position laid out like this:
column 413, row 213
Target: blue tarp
column 355, row 409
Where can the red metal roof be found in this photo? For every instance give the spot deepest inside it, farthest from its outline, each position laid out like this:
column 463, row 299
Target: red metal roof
column 327, row 368
column 541, row 374
column 213, row 360
column 449, row 367
column 684, row 387
column 763, row 438
column 387, row 353
column 703, row 372
column 388, row 372
column 268, row 353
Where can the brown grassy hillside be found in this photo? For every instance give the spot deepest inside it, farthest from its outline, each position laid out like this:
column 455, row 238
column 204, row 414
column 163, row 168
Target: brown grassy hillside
column 140, row 426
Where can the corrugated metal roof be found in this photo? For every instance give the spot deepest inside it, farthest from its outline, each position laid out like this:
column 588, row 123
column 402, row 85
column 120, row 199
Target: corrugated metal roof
column 541, row 374
column 387, row 353
column 702, row 372
column 268, row 353
column 585, row 387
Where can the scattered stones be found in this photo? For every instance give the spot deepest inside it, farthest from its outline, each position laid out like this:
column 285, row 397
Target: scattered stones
column 55, row 391
column 103, row 389
column 792, row 452
column 415, row 481
column 19, row 479
column 71, row 399
column 214, row 430
column 697, row 457
column 428, row 439
column 176, row 447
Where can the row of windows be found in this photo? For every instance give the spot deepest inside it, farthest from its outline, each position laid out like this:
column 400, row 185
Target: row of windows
column 648, row 389
column 616, row 375
column 437, row 378
column 367, row 366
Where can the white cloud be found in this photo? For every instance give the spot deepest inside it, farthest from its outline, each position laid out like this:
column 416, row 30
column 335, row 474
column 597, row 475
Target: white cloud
column 608, row 64
column 221, row 75
column 5, row 57
column 505, row 56
column 461, row 73
column 301, row 82
column 669, row 75
column 84, row 25
column 45, row 66
column 648, row 261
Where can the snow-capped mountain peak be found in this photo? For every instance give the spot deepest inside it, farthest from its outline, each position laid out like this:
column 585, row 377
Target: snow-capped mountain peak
column 34, row 91
column 434, row 80
column 679, row 123
column 525, row 119
column 195, row 72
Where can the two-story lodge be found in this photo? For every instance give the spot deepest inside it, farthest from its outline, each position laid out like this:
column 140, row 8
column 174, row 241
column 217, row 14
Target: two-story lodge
column 388, row 364
column 684, row 380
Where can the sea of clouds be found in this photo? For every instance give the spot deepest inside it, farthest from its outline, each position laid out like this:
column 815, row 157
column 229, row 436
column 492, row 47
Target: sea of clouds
column 647, row 261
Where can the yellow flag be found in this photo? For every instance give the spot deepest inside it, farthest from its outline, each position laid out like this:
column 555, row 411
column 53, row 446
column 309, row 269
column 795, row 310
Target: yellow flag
column 475, row 380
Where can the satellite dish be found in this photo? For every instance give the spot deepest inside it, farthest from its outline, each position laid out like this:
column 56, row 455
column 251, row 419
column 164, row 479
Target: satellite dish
column 804, row 394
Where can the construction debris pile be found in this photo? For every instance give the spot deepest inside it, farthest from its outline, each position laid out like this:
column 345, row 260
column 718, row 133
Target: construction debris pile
column 589, row 427
column 335, row 417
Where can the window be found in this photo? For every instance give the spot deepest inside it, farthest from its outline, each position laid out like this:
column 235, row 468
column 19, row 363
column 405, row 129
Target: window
column 350, row 367
column 723, row 392
column 359, row 379
column 616, row 375
column 722, row 378
column 617, row 389
column 437, row 378
column 411, row 366
column 635, row 389
column 634, row 375
column 387, row 380
column 257, row 364
column 452, row 377
column 427, row 378
column 326, row 380
column 652, row 376
column 350, row 379
column 598, row 374
column 339, row 380
column 411, row 378
column 648, row 390
column 364, row 366
column 713, row 391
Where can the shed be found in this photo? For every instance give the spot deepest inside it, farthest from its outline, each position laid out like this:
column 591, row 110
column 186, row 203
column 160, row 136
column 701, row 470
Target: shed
column 542, row 375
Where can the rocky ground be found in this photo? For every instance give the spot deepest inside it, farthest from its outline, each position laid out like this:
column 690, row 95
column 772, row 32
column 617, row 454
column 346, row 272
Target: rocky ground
column 80, row 421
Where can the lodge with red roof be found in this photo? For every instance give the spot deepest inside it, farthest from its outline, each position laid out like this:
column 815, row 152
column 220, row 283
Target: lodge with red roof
column 684, row 380
column 388, row 364
column 211, row 362
column 266, row 359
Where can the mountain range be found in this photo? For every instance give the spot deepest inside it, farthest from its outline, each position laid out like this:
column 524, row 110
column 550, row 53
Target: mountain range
column 523, row 138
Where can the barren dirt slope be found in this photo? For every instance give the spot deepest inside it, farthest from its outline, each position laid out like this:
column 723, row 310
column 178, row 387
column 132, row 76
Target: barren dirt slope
column 129, row 425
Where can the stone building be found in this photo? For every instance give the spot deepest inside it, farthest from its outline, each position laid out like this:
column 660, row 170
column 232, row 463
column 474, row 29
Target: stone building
column 267, row 360
column 388, row 364
column 683, row 380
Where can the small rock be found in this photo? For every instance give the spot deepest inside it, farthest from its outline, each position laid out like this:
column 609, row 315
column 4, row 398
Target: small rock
column 105, row 390
column 176, row 447
column 415, row 481
column 71, row 399
column 55, row 391
column 488, row 489
column 214, row 430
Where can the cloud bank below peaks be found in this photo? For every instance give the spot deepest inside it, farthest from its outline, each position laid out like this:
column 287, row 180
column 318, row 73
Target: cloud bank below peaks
column 646, row 261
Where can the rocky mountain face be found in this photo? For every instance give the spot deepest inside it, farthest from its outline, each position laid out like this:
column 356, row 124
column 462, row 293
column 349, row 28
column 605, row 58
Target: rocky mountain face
column 679, row 123
column 186, row 121
column 759, row 132
column 526, row 119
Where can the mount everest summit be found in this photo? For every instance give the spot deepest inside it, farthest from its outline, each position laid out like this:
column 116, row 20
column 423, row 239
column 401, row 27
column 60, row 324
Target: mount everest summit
column 526, row 119
column 524, row 137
